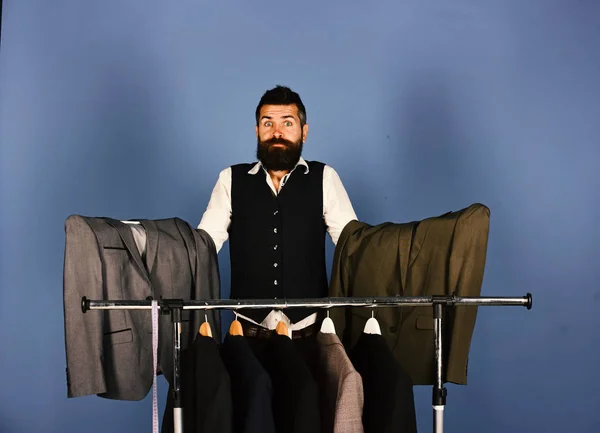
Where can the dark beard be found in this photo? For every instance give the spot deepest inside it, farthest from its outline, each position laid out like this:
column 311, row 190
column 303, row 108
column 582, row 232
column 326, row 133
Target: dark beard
column 277, row 158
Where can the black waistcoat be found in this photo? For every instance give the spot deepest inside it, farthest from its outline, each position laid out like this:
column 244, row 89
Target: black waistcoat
column 277, row 242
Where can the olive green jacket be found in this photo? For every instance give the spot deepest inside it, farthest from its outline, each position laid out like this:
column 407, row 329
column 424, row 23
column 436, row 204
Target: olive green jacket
column 441, row 255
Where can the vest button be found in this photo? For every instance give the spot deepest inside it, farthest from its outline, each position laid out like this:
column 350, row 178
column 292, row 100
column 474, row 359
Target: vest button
column 275, row 247
column 275, row 282
column 276, row 212
column 274, row 265
column 275, row 230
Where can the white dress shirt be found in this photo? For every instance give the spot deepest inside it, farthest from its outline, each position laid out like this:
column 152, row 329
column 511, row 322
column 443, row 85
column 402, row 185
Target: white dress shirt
column 337, row 212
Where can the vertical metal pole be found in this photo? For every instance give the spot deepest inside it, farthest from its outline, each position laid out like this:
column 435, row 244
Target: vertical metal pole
column 439, row 392
column 177, row 406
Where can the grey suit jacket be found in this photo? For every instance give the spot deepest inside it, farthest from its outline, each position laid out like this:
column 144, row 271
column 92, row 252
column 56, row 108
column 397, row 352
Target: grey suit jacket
column 341, row 387
column 109, row 352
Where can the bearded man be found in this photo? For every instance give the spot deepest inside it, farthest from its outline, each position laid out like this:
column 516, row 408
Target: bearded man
column 276, row 213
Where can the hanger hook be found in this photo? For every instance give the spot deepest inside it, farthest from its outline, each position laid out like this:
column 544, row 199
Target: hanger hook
column 328, row 312
column 372, row 313
column 205, row 317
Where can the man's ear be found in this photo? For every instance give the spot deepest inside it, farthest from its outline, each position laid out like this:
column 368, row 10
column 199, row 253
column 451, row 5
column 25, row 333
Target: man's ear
column 305, row 132
column 256, row 128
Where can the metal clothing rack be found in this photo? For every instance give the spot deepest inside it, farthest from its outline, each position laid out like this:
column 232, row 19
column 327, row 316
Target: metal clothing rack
column 439, row 303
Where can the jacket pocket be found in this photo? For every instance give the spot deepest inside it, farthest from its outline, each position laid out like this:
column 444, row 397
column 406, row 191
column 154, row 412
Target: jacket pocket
column 424, row 322
column 119, row 337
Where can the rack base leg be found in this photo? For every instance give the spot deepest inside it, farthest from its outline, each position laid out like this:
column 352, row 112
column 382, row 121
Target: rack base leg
column 438, row 392
column 438, row 419
column 178, row 419
column 177, row 403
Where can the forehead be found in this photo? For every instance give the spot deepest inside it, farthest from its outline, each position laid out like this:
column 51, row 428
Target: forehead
column 279, row 111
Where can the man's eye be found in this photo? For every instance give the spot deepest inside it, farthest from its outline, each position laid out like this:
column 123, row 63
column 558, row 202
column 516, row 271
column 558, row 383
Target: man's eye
column 288, row 123
column 268, row 124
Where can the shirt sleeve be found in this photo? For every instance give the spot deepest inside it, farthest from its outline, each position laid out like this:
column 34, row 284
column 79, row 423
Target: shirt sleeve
column 337, row 208
column 217, row 216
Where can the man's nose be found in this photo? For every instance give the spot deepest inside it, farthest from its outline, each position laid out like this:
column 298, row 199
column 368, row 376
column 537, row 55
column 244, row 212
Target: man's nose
column 277, row 133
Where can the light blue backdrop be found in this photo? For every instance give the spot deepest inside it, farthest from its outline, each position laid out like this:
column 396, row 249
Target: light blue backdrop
column 129, row 109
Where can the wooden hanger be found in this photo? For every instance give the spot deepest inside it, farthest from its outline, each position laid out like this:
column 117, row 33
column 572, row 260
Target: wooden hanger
column 236, row 327
column 205, row 328
column 282, row 329
column 372, row 325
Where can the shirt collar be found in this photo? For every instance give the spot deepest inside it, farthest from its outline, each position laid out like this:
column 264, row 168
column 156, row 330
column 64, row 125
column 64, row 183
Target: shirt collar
column 301, row 162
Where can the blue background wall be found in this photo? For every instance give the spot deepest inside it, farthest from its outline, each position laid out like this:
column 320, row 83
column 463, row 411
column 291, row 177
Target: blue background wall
column 130, row 109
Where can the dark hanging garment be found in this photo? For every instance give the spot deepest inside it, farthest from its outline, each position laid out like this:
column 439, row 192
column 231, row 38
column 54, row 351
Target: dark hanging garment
column 205, row 391
column 251, row 388
column 295, row 391
column 389, row 400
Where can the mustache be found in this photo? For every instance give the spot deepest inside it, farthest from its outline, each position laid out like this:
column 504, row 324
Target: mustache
column 272, row 141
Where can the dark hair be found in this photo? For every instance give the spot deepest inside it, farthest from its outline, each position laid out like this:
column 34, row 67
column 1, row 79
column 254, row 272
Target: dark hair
column 282, row 95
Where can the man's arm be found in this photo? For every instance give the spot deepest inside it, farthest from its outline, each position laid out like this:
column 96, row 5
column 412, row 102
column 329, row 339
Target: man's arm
column 217, row 217
column 337, row 209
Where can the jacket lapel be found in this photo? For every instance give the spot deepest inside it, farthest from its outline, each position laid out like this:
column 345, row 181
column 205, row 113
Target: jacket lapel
column 420, row 233
column 127, row 238
column 186, row 233
column 404, row 248
column 151, row 243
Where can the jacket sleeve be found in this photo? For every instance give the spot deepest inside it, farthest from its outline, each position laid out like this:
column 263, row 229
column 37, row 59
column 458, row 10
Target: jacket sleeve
column 207, row 278
column 350, row 404
column 342, row 273
column 82, row 276
column 337, row 286
column 467, row 263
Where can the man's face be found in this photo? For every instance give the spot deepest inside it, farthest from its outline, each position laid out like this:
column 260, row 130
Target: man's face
column 280, row 137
